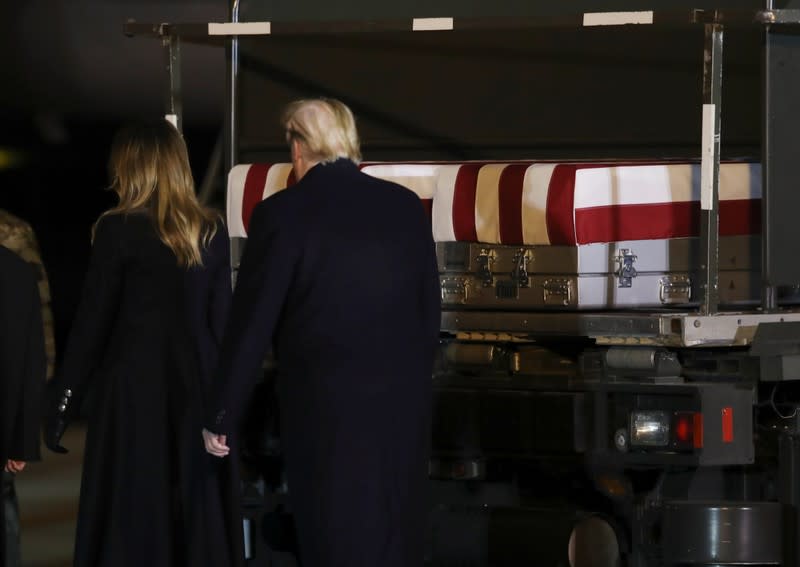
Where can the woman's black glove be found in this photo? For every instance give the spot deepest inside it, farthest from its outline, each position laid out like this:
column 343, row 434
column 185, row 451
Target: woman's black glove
column 53, row 431
column 56, row 418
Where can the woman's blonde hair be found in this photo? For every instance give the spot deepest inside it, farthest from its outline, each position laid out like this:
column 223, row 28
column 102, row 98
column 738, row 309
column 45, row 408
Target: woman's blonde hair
column 325, row 128
column 150, row 172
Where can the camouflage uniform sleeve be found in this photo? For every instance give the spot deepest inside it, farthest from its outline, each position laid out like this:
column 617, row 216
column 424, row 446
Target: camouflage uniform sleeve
column 19, row 237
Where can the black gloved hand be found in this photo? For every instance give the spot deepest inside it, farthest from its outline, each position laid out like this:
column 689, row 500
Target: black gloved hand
column 54, row 428
column 56, row 418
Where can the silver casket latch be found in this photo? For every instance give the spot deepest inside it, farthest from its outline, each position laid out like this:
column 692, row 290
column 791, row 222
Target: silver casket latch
column 557, row 291
column 484, row 270
column 520, row 272
column 675, row 290
column 454, row 290
column 519, row 278
column 626, row 272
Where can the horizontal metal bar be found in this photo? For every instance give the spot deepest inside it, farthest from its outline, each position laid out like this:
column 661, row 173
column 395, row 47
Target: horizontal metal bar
column 555, row 323
column 133, row 28
column 198, row 31
column 190, row 33
column 730, row 329
column 628, row 328
column 778, row 17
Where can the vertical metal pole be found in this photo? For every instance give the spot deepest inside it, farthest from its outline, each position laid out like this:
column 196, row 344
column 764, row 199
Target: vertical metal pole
column 230, row 129
column 173, row 104
column 709, row 167
column 769, row 300
column 231, row 115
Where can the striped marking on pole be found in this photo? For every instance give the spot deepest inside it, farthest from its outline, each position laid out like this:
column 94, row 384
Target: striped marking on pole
column 617, row 18
column 240, row 28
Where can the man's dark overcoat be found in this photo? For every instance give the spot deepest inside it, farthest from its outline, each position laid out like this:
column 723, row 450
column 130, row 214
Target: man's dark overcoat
column 22, row 365
column 145, row 337
column 339, row 277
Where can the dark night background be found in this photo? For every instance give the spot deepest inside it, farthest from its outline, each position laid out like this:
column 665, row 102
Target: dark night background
column 69, row 79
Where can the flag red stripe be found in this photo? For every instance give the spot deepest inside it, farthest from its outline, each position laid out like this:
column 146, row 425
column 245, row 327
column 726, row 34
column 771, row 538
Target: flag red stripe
column 253, row 190
column 466, row 187
column 509, row 188
column 663, row 220
column 560, row 201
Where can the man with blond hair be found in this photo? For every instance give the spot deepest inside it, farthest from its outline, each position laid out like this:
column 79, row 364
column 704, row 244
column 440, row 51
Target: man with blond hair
column 339, row 278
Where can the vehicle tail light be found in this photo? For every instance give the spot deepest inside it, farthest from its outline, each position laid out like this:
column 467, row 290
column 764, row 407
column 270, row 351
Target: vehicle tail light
column 668, row 429
column 688, row 430
column 650, row 428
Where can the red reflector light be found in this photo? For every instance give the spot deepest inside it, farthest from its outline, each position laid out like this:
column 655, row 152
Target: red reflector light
column 727, row 425
column 683, row 428
column 698, row 431
column 687, row 429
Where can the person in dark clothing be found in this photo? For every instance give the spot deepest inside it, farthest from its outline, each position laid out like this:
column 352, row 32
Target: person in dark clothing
column 23, row 367
column 339, row 277
column 19, row 237
column 145, row 337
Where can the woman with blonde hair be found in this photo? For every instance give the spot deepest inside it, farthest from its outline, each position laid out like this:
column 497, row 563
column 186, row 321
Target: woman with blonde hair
column 144, row 339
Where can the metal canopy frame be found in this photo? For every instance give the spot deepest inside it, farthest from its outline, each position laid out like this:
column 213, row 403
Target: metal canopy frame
column 707, row 326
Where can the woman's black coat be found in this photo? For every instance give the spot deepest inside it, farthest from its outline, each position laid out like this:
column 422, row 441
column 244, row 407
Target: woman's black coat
column 22, row 364
column 145, row 337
